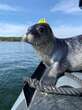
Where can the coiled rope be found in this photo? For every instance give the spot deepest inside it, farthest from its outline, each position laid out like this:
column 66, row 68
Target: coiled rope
column 50, row 89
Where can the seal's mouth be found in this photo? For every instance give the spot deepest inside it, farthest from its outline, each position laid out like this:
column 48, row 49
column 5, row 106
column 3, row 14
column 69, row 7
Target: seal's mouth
column 28, row 38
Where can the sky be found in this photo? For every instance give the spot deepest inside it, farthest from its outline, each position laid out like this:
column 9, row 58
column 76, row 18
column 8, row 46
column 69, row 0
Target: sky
column 64, row 16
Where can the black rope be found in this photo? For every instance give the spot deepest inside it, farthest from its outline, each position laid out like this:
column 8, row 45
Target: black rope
column 53, row 89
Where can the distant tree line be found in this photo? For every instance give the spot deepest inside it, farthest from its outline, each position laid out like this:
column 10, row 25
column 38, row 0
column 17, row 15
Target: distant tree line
column 11, row 39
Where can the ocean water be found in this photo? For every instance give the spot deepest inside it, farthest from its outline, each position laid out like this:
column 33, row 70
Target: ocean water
column 17, row 60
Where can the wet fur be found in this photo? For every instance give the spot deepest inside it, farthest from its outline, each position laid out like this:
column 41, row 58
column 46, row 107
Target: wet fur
column 59, row 55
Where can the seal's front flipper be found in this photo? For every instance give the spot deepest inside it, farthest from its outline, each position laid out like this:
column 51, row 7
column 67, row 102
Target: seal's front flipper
column 51, row 75
column 48, row 81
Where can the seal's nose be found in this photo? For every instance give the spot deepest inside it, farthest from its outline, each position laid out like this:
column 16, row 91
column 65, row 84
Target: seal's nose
column 29, row 36
column 25, row 38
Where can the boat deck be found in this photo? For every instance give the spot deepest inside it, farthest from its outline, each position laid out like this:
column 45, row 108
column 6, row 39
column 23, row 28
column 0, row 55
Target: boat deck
column 32, row 99
column 37, row 100
column 55, row 102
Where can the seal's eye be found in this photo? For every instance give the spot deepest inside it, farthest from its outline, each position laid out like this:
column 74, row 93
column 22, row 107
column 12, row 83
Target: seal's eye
column 41, row 29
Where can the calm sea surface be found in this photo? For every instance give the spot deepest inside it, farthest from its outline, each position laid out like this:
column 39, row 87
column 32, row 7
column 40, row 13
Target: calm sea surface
column 17, row 60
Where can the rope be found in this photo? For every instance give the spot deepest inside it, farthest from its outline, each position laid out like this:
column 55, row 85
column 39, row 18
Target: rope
column 53, row 89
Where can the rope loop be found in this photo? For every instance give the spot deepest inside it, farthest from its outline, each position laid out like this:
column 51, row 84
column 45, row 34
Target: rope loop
column 50, row 89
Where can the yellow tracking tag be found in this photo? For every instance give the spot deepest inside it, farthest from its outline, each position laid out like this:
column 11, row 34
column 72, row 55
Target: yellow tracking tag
column 42, row 20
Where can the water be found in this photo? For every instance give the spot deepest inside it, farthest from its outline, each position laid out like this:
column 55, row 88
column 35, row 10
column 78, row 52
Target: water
column 17, row 60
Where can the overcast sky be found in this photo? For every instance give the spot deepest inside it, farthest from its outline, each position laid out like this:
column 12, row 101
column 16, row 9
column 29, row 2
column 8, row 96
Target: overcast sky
column 64, row 16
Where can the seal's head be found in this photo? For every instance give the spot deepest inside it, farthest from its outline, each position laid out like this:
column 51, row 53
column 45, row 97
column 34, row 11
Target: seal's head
column 41, row 37
column 39, row 33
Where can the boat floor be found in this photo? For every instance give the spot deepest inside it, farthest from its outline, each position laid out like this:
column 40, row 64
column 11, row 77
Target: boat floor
column 42, row 101
column 37, row 100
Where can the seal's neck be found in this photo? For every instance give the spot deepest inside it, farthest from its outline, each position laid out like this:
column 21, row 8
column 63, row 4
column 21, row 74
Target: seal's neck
column 45, row 48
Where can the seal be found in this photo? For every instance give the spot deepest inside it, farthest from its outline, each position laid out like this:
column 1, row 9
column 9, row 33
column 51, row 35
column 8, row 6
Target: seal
column 59, row 55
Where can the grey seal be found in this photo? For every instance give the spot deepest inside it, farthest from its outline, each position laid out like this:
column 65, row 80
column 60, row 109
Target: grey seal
column 59, row 55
